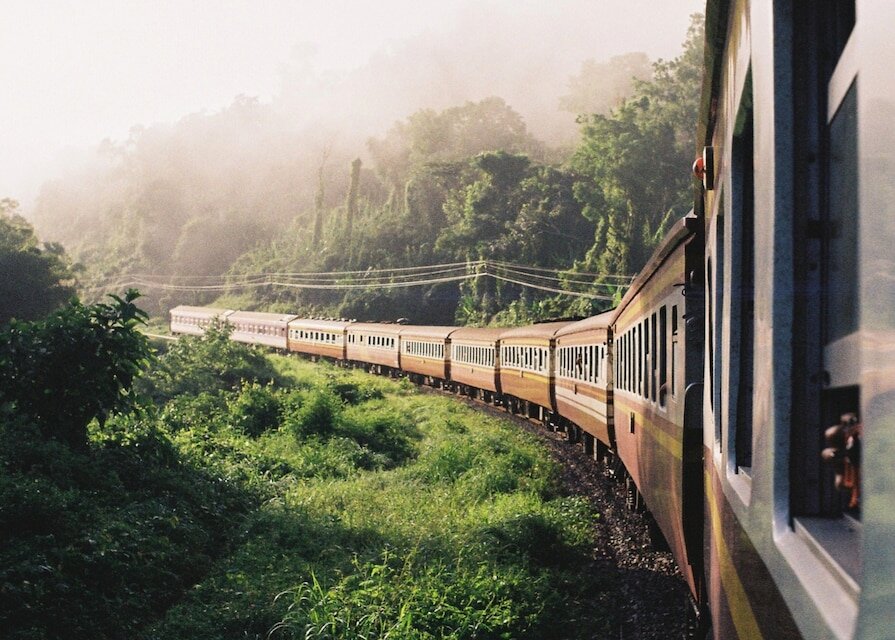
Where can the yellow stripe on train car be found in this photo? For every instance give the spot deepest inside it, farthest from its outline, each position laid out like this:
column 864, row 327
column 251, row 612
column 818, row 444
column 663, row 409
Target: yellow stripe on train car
column 737, row 601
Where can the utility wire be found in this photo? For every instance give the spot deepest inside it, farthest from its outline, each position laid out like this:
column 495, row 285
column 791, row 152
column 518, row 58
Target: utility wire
column 402, row 278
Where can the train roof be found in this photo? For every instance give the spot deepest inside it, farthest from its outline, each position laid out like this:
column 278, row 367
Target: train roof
column 381, row 327
column 479, row 334
column 545, row 330
column 601, row 321
column 425, row 331
column 199, row 312
column 324, row 325
column 260, row 316
column 684, row 228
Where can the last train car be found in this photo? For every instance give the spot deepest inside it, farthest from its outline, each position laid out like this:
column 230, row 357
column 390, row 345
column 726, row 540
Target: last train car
column 195, row 320
column 798, row 132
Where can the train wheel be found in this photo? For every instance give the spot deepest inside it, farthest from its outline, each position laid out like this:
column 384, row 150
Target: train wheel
column 630, row 494
column 699, row 620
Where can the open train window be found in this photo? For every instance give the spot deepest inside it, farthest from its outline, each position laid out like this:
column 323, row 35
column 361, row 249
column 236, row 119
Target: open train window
column 826, row 439
column 743, row 281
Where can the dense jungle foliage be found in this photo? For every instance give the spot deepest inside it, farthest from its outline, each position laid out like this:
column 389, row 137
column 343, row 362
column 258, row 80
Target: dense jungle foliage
column 235, row 193
column 36, row 278
column 255, row 496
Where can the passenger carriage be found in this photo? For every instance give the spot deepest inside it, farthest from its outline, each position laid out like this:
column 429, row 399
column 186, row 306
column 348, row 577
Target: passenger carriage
column 656, row 332
column 425, row 353
column 584, row 378
column 527, row 368
column 254, row 327
column 798, row 115
column 195, row 320
column 475, row 362
column 326, row 338
column 374, row 345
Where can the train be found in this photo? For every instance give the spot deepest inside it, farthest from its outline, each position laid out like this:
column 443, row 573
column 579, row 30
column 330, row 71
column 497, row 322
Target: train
column 745, row 384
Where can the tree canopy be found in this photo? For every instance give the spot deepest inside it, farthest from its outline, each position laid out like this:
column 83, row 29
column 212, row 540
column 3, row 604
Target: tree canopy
column 37, row 278
column 465, row 183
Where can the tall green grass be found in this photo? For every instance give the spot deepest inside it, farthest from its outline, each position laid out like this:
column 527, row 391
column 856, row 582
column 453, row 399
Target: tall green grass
column 461, row 533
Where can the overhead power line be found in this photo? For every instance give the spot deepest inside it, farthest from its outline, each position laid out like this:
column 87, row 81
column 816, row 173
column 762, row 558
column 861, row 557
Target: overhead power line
column 399, row 277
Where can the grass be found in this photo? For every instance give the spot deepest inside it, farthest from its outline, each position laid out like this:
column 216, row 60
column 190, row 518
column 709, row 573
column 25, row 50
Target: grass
column 328, row 504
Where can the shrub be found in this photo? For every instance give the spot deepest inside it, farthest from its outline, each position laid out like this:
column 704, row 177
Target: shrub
column 318, row 415
column 208, row 363
column 255, row 409
column 351, row 392
column 76, row 366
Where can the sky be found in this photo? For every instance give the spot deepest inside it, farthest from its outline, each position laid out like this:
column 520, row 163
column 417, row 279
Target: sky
column 73, row 73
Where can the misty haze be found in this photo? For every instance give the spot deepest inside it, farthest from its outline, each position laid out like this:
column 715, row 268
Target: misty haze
column 226, row 187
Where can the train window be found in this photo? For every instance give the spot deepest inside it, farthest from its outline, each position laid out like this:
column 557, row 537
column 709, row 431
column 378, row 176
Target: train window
column 662, row 353
column 842, row 22
column 622, row 354
column 743, row 263
column 654, row 364
column 626, row 364
column 647, row 359
column 640, row 355
column 841, row 293
column 827, row 438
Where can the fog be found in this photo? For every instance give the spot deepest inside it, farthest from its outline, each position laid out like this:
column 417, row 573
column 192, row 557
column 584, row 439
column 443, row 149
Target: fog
column 320, row 74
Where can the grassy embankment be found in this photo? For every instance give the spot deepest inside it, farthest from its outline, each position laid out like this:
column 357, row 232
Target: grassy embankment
column 326, row 504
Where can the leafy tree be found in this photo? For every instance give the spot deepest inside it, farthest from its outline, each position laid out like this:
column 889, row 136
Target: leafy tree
column 602, row 86
column 633, row 163
column 75, row 366
column 454, row 134
column 36, row 278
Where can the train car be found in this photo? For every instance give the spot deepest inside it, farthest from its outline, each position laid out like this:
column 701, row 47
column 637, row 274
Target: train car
column 195, row 320
column 327, row 338
column 426, row 353
column 656, row 333
column 374, row 345
column 583, row 384
column 527, row 368
column 799, row 397
column 255, row 327
column 475, row 362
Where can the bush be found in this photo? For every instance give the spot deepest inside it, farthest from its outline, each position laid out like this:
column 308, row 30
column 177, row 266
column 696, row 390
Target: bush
column 318, row 415
column 76, row 366
column 208, row 363
column 255, row 409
